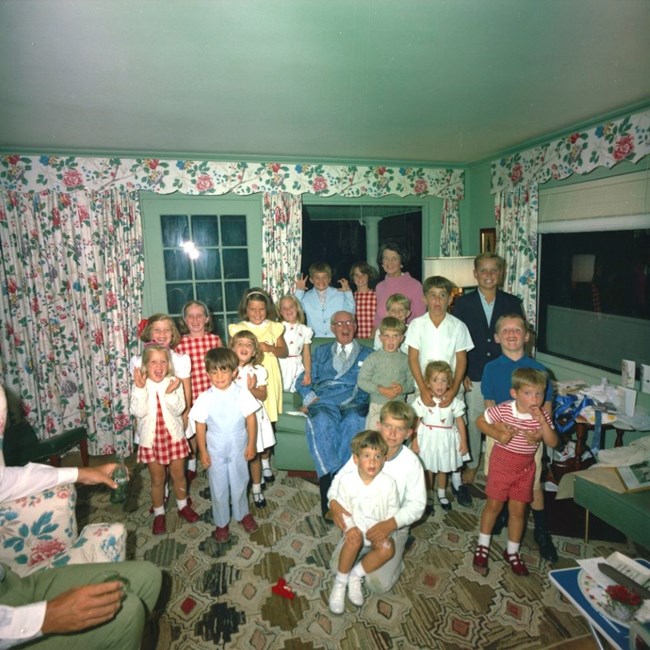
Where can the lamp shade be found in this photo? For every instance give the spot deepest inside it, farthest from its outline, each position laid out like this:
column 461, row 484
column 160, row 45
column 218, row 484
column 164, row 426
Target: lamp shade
column 460, row 270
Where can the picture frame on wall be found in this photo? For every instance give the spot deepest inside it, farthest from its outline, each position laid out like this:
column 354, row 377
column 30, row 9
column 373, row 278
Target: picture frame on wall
column 488, row 241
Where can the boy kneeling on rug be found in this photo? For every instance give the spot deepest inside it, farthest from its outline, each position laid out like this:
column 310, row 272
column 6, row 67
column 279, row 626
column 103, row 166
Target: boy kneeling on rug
column 380, row 570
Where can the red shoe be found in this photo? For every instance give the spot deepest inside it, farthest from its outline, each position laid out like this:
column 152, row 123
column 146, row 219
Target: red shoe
column 480, row 562
column 188, row 514
column 249, row 524
column 516, row 563
column 159, row 526
column 221, row 535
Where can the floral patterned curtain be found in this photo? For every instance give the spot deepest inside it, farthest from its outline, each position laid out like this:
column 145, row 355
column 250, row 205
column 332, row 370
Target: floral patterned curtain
column 516, row 219
column 516, row 179
column 450, row 233
column 72, row 272
column 281, row 242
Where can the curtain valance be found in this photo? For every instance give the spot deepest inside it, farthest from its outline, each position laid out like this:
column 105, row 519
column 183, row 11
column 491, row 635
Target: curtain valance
column 72, row 173
column 603, row 145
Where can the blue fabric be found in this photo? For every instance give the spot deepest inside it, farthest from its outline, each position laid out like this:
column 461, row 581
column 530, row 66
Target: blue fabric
column 318, row 315
column 497, row 378
column 469, row 309
column 341, row 409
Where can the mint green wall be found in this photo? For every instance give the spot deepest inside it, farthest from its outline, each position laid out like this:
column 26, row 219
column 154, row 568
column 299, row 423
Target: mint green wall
column 477, row 210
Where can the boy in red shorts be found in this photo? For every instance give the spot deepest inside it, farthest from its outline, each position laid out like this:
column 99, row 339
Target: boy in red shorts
column 517, row 426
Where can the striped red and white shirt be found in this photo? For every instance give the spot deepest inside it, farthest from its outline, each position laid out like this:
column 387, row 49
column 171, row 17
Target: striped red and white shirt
column 196, row 349
column 507, row 412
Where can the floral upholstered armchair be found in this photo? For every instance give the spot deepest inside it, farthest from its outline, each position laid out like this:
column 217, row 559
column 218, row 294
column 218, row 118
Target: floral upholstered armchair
column 40, row 530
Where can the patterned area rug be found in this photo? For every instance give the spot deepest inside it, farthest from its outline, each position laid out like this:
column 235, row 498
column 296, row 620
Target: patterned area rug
column 221, row 593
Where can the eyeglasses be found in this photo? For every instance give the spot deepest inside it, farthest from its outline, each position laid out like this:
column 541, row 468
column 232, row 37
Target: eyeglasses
column 343, row 323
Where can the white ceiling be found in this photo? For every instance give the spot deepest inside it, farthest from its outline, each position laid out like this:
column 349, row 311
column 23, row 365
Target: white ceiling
column 428, row 81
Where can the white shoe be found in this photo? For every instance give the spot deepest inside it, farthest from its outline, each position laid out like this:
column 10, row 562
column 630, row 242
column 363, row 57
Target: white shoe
column 355, row 592
column 337, row 598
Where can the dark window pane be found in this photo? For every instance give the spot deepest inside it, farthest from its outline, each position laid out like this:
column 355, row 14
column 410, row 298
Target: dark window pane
column 232, row 318
column 205, row 230
column 235, row 263
column 234, row 292
column 177, row 265
column 220, row 327
column 210, row 294
column 207, row 265
column 233, row 230
column 177, row 296
column 175, row 229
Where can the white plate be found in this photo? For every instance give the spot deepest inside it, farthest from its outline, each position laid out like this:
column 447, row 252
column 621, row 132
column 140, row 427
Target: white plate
column 597, row 598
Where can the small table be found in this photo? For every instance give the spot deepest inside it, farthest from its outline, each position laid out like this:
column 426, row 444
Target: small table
column 566, row 580
column 582, row 428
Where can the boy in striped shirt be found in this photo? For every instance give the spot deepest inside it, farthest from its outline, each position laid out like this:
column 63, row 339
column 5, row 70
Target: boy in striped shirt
column 517, row 426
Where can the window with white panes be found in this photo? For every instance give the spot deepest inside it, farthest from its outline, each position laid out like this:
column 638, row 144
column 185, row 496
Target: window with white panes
column 201, row 248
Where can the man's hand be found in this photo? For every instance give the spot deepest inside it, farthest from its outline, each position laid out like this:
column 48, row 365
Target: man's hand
column 426, row 396
column 98, row 475
column 82, row 607
column 467, row 382
column 381, row 531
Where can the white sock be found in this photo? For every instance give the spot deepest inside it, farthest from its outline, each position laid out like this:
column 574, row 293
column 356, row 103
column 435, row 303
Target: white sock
column 257, row 488
column 484, row 540
column 358, row 571
column 191, row 465
column 266, row 463
column 456, row 480
column 181, row 503
column 442, row 495
column 342, row 577
column 159, row 511
column 512, row 547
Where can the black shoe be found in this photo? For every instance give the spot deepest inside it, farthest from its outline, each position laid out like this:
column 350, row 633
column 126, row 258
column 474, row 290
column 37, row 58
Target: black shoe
column 463, row 497
column 259, row 500
column 546, row 547
column 445, row 505
column 268, row 475
column 324, row 484
column 410, row 542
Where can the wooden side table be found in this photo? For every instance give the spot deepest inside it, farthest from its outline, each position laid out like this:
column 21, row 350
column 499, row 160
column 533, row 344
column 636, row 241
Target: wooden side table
column 583, row 426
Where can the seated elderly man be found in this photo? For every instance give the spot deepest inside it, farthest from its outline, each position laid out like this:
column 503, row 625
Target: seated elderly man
column 336, row 407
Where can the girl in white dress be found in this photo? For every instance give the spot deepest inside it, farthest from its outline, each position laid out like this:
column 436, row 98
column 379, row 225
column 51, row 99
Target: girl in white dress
column 441, row 437
column 298, row 338
column 253, row 376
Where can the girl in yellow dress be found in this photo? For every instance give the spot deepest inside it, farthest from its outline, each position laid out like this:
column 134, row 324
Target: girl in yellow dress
column 258, row 316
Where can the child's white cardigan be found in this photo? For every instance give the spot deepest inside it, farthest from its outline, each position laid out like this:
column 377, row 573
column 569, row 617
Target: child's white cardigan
column 143, row 406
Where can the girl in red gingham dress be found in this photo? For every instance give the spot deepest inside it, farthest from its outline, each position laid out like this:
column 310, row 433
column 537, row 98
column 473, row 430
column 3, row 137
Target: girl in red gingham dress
column 518, row 427
column 157, row 402
column 197, row 339
column 364, row 277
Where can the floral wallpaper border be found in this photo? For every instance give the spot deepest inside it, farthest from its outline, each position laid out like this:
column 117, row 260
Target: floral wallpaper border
column 73, row 173
column 604, row 145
